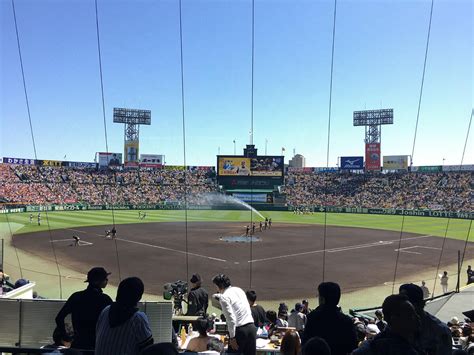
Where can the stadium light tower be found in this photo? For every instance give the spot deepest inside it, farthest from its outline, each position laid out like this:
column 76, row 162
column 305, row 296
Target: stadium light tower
column 132, row 119
column 373, row 121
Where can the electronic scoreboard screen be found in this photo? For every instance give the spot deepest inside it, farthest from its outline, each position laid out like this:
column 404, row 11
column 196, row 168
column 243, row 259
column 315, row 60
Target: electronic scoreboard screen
column 250, row 173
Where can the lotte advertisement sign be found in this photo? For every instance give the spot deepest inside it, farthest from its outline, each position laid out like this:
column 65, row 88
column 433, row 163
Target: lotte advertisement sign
column 372, row 156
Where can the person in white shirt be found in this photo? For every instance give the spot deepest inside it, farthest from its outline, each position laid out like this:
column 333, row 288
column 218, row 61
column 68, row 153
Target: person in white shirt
column 236, row 309
column 297, row 319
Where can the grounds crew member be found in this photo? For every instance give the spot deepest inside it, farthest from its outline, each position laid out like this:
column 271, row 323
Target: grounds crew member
column 198, row 299
column 85, row 307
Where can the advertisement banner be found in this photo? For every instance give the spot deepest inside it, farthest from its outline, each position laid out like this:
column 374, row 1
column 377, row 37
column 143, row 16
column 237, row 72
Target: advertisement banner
column 19, row 161
column 151, row 160
column 79, row 164
column 467, row 167
column 352, row 163
column 326, row 170
column 131, row 151
column 252, row 197
column 110, row 159
column 233, row 166
column 428, row 169
column 372, row 156
column 50, row 162
column 174, row 167
column 395, row 162
column 267, row 166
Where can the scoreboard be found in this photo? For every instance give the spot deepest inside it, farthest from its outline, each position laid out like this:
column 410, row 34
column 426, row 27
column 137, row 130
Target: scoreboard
column 241, row 172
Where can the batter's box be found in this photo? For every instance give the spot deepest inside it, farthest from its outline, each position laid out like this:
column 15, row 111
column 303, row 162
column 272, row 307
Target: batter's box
column 410, row 251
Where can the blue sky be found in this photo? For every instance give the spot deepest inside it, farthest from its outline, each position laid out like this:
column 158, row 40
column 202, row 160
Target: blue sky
column 379, row 54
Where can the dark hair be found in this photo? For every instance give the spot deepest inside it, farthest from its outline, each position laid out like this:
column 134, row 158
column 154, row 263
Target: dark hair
column 130, row 291
column 251, row 296
column 290, row 344
column 203, row 325
column 317, row 346
column 222, row 281
column 271, row 316
column 378, row 312
column 215, row 345
column 392, row 306
column 331, row 292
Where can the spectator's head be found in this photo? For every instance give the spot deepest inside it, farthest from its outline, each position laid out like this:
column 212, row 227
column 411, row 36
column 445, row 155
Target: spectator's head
column 290, row 344
column 329, row 293
column 400, row 315
column 65, row 338
column 445, row 273
column 21, row 282
column 203, row 325
column 271, row 316
column 466, row 330
column 251, row 296
column 97, row 277
column 221, row 281
column 196, row 280
column 423, row 283
column 215, row 345
column 130, row 291
column 379, row 314
column 316, row 346
column 414, row 293
column 298, row 307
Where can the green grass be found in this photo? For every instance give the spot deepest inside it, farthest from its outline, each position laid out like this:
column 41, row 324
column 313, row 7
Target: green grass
column 19, row 222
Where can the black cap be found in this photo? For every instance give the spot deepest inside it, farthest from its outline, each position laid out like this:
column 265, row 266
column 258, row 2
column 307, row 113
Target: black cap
column 195, row 278
column 97, row 274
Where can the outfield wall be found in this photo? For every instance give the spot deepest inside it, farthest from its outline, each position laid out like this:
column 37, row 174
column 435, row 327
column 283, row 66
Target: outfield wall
column 260, row 207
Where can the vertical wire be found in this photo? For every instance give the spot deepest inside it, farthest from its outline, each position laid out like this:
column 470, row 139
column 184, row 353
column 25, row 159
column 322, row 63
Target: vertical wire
column 251, row 142
column 329, row 138
column 414, row 138
column 184, row 138
column 105, row 127
column 34, row 146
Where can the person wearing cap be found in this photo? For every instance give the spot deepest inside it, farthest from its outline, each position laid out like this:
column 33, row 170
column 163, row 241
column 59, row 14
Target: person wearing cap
column 434, row 337
column 236, row 309
column 198, row 299
column 85, row 307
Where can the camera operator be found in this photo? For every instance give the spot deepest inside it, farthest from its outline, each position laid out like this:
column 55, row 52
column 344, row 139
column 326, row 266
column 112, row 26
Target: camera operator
column 198, row 298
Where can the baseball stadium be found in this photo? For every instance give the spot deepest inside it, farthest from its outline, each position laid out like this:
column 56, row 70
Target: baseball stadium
column 222, row 196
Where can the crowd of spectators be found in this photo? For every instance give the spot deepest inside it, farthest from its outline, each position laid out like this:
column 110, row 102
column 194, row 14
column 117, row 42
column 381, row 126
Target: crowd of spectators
column 34, row 185
column 451, row 191
column 402, row 326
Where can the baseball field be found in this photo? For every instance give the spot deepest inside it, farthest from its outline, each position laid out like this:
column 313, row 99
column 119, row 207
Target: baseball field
column 366, row 254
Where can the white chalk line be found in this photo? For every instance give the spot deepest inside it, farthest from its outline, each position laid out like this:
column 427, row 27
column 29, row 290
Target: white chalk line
column 336, row 250
column 81, row 242
column 405, row 250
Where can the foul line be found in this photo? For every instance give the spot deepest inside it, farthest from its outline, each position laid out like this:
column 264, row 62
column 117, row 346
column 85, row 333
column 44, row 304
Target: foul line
column 336, row 250
column 170, row 249
column 404, row 250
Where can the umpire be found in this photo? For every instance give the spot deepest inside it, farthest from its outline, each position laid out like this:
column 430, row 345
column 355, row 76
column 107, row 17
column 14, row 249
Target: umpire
column 198, row 298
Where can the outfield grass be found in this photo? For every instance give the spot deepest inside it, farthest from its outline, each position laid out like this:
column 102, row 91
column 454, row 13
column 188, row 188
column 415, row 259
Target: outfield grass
column 19, row 223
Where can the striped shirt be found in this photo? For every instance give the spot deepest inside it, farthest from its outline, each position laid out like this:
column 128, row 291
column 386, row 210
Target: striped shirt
column 124, row 339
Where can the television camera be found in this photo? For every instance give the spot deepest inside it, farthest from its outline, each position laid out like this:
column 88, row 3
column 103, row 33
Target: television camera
column 176, row 290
